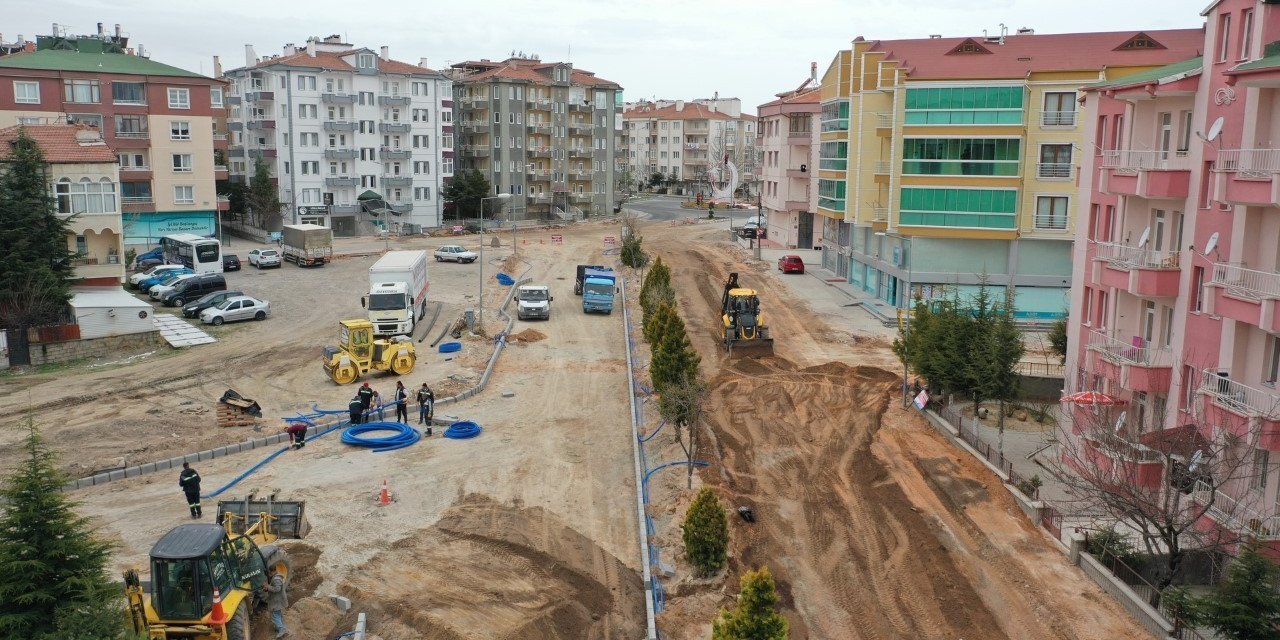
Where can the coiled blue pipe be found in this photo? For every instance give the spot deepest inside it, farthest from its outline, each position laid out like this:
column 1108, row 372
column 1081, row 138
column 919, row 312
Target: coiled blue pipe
column 463, row 429
column 405, row 436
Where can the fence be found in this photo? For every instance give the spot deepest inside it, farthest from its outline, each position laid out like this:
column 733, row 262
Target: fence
column 1245, row 282
column 989, row 453
column 1145, row 591
column 1051, row 519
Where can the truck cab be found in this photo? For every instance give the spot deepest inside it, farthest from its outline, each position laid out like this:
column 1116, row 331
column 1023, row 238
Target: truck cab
column 598, row 287
column 533, row 301
column 390, row 308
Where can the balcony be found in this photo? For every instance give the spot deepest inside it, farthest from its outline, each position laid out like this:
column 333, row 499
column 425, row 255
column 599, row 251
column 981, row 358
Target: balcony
column 538, row 152
column 386, row 153
column 689, row 160
column 340, row 154
column 539, row 127
column 579, row 152
column 539, row 176
column 695, row 146
column 882, row 168
column 580, row 127
column 133, row 135
column 799, row 138
column 578, row 106
column 345, row 209
column 230, row 100
column 397, row 181
column 262, row 124
column 337, row 98
column 579, row 176
column 884, row 125
column 137, row 204
column 580, row 197
column 1245, row 295
column 232, row 125
column 341, row 181
column 796, row 205
column 1135, row 365
column 94, row 267
column 224, row 203
column 1242, row 516
column 393, row 101
column 220, row 172
column 1141, row 272
column 472, row 126
column 477, row 151
column 1247, row 177
column 131, row 140
column 540, row 198
column 1146, row 174
column 880, row 214
column 1055, row 171
column 1057, row 119
column 134, row 174
column 393, row 127
column 220, row 141
column 1241, row 409
column 261, row 96
column 339, row 125
column 1134, row 462
column 539, row 104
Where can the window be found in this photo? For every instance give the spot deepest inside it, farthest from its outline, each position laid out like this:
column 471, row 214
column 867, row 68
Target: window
column 85, row 196
column 1197, row 289
column 179, row 130
column 26, row 92
column 1055, row 162
column 942, row 156
column 956, row 105
column 1246, row 33
column 86, row 91
column 1272, row 372
column 132, row 160
column 128, row 92
column 446, row 165
column 215, row 97
column 91, row 119
column 1059, row 109
column 497, row 117
column 1051, row 213
column 1224, row 37
column 366, row 97
column 366, row 61
column 306, row 83
column 954, row 207
column 308, row 111
column 179, row 98
column 446, row 140
column 184, row 195
column 446, row 116
column 182, row 162
column 1261, row 462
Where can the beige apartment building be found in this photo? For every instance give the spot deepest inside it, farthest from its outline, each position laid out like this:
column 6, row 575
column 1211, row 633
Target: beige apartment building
column 688, row 141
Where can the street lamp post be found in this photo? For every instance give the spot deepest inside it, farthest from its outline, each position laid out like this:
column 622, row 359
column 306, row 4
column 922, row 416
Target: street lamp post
column 480, row 301
column 907, row 241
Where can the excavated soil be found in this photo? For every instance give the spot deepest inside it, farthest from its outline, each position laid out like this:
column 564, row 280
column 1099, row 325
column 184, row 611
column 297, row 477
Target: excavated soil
column 526, row 336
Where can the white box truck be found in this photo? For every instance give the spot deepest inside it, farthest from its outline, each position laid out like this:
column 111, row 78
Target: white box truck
column 397, row 298
column 307, row 244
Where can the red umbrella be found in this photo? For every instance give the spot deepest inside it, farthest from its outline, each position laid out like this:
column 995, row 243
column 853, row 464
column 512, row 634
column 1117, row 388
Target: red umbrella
column 1093, row 398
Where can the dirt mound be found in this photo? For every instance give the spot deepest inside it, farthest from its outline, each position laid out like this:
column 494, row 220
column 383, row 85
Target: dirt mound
column 305, row 575
column 496, row 571
column 529, row 335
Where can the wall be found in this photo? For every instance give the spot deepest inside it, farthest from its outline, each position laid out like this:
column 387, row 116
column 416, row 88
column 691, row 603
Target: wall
column 957, row 256
column 55, row 352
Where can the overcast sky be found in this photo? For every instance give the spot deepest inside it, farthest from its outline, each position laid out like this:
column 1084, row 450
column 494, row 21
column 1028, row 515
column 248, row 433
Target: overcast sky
column 750, row 49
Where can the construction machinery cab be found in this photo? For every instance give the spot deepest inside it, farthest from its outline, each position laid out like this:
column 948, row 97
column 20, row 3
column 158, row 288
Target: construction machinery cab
column 193, row 559
column 359, row 353
column 744, row 325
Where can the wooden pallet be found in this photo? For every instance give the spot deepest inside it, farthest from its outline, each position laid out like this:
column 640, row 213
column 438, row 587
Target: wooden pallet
column 228, row 416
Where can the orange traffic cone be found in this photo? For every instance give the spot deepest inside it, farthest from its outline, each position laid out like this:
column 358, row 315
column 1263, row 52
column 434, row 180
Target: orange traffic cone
column 384, row 496
column 217, row 616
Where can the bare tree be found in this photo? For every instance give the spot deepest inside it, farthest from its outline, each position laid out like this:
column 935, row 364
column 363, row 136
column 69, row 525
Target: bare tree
column 681, row 405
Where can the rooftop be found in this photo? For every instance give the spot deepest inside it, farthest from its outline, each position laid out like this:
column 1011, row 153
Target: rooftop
column 333, row 61
column 809, row 92
column 89, row 55
column 529, row 69
column 60, row 143
column 690, row 111
column 1177, row 70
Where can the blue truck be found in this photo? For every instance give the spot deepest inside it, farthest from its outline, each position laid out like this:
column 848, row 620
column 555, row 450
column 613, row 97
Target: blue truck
column 598, row 287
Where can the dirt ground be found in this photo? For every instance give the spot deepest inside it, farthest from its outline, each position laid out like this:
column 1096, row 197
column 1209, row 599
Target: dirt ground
column 872, row 524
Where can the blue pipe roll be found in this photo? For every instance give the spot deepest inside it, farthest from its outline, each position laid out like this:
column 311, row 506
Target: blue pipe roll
column 463, row 429
column 403, row 436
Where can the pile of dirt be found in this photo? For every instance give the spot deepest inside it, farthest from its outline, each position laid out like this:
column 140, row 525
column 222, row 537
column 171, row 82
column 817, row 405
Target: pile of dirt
column 528, row 335
column 497, row 571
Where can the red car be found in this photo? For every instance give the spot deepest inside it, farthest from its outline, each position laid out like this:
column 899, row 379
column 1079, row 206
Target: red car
column 790, row 264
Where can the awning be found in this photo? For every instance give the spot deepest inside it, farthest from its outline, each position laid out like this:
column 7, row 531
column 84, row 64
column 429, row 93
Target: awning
column 1093, row 398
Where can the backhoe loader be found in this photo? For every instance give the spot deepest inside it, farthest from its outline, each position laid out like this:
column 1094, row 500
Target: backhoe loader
column 744, row 325
column 358, row 353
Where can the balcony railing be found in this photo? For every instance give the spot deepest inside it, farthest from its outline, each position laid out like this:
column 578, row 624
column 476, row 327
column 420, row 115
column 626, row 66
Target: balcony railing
column 135, row 168
column 1117, row 446
column 883, row 168
column 393, row 101
column 387, row 153
column 397, row 181
column 539, row 152
column 1133, row 161
column 220, row 168
column 1137, row 351
column 579, row 152
column 880, row 214
column 340, row 154
column 135, row 135
column 1134, row 257
column 1247, row 283
column 1249, row 163
column 1057, row 118
column 340, row 181
column 1240, row 398
column 1242, row 516
column 884, row 120
column 337, row 98
column 1053, row 170
column 393, row 127
column 1049, row 222
column 135, row 199
column 219, row 137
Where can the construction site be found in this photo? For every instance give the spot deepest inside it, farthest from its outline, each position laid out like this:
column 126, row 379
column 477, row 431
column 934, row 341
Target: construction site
column 873, row 525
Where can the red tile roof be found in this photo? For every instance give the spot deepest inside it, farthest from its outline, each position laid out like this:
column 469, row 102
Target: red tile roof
column 526, row 69
column 691, row 111
column 60, row 143
column 332, row 61
column 936, row 58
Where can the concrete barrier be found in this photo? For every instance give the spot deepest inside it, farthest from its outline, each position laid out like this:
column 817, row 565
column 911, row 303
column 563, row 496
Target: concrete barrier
column 1143, row 613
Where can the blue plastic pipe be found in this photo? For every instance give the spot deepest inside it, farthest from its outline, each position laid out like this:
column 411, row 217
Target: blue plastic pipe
column 404, row 436
column 462, row 429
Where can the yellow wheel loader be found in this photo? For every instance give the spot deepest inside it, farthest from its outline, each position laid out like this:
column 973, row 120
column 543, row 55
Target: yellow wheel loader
column 744, row 325
column 358, row 353
column 234, row 557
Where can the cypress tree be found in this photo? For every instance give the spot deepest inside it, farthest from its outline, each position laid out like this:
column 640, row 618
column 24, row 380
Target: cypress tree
column 706, row 532
column 755, row 617
column 674, row 359
column 263, row 198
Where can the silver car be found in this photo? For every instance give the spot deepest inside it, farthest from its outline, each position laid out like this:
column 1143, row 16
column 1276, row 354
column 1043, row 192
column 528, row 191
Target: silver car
column 236, row 308
column 262, row 258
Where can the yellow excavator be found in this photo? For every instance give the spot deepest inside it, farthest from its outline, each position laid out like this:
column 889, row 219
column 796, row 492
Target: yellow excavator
column 744, row 325
column 234, row 557
column 358, row 353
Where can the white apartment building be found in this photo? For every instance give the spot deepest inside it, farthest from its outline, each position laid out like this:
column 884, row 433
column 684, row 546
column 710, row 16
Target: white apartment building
column 789, row 143
column 683, row 140
column 355, row 139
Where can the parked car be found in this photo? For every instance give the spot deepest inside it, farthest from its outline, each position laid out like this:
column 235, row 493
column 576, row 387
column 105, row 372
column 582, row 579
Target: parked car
column 791, row 264
column 230, row 262
column 149, row 259
column 455, row 253
column 168, row 284
column 193, row 288
column 262, row 258
column 193, row 309
column 237, row 308
column 137, row 278
column 161, row 277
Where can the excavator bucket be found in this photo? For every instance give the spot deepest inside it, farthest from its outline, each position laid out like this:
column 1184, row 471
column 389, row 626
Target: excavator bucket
column 755, row 348
column 264, row 517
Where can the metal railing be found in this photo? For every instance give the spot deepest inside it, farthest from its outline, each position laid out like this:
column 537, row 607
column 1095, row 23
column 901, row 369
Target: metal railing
column 1123, row 352
column 1249, row 283
column 1057, row 118
column 1054, row 170
column 137, row 135
column 135, row 199
column 1145, row 591
column 1240, row 398
column 136, row 168
column 883, row 168
column 1258, row 163
column 1049, row 222
column 220, row 167
column 880, row 214
column 1118, row 447
column 1130, row 160
column 1041, row 369
column 884, row 120
column 1134, row 257
column 1240, row 515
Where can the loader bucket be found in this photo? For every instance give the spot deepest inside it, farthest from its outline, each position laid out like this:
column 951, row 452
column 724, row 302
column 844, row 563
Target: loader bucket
column 285, row 518
column 758, row 348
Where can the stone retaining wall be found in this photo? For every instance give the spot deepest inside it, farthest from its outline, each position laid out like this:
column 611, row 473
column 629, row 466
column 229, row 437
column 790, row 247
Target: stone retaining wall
column 55, row 352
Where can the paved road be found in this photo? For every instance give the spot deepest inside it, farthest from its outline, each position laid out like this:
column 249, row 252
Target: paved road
column 668, row 208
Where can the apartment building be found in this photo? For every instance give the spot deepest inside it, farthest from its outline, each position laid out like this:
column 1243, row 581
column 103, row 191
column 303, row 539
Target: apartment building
column 946, row 160
column 788, row 147
column 689, row 141
column 157, row 118
column 1177, row 273
column 354, row 139
column 545, row 133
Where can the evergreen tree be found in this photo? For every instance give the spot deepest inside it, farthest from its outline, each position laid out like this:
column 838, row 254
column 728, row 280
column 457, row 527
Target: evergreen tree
column 655, row 328
column 466, row 191
column 1058, row 338
column 908, row 346
column 263, row 198
column 999, row 350
column 674, row 359
column 658, row 277
column 755, row 617
column 53, row 581
column 1246, row 606
column 706, row 532
column 37, row 260
column 977, row 368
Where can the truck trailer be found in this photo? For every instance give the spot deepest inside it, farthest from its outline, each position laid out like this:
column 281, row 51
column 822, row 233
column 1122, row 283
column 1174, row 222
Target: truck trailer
column 397, row 298
column 307, row 244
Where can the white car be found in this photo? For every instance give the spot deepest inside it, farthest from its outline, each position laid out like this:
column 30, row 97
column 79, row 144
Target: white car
column 455, row 253
column 262, row 258
column 236, row 308
column 157, row 292
column 137, row 278
column 533, row 301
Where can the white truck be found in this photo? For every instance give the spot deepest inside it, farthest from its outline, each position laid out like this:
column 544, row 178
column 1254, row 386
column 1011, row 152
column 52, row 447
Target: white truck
column 533, row 301
column 397, row 297
column 307, row 244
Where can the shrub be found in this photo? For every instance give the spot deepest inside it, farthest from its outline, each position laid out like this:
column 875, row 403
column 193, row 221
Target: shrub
column 706, row 532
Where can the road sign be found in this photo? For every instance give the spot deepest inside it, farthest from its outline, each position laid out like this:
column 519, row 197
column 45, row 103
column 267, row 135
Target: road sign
column 557, row 239
column 610, row 241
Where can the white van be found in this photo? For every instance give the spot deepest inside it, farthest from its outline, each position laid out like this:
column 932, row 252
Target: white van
column 533, row 301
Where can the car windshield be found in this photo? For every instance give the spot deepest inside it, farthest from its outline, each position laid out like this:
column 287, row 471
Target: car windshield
column 225, row 303
column 269, row 252
column 599, row 289
column 170, row 279
column 534, row 295
column 386, row 301
column 209, row 298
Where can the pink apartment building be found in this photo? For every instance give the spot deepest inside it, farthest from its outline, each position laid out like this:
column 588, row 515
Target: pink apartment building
column 789, row 159
column 1177, row 267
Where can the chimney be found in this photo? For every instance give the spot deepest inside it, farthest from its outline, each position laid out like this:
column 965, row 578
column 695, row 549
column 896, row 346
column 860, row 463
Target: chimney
column 289, row 49
column 250, row 56
column 118, row 32
column 311, row 47
column 217, row 67
column 101, row 32
column 813, row 72
column 1026, row 31
column 422, row 62
column 142, row 53
column 679, row 105
column 386, row 52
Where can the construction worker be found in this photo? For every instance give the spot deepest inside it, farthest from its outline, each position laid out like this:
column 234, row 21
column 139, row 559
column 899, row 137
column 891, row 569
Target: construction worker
column 277, row 600
column 189, row 480
column 378, row 406
column 402, row 406
column 297, row 433
column 356, row 408
column 366, row 396
column 426, row 406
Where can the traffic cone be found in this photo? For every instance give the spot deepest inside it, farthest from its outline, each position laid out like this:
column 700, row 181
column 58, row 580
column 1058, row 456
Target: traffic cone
column 217, row 616
column 384, row 496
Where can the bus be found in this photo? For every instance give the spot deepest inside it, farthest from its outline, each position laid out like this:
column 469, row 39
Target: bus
column 198, row 253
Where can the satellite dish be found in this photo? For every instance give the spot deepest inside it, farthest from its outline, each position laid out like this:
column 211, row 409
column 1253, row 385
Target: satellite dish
column 1215, row 129
column 1120, row 421
column 1146, row 237
column 1196, row 458
column 1212, row 245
